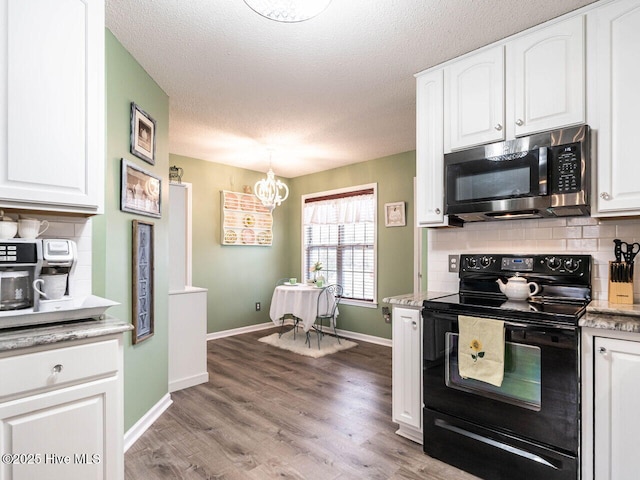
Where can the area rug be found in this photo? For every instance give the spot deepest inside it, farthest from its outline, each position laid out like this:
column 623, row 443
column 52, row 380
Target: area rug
column 328, row 343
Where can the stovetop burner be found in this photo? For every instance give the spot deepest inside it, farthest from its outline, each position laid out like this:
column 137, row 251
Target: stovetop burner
column 564, row 280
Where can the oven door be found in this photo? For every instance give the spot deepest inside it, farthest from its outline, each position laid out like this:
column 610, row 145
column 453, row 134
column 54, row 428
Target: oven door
column 531, row 421
column 512, row 182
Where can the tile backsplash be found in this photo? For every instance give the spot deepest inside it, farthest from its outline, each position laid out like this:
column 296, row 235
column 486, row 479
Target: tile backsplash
column 579, row 235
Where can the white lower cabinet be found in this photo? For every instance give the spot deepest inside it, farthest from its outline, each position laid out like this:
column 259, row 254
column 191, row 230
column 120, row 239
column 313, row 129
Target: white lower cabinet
column 616, row 419
column 61, row 413
column 407, row 372
column 611, row 391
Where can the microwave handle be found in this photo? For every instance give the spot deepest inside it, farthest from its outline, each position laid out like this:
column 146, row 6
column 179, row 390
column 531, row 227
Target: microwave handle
column 543, row 177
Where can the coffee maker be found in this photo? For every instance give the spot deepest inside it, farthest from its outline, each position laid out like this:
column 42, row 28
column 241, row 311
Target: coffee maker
column 35, row 274
column 20, row 266
column 58, row 264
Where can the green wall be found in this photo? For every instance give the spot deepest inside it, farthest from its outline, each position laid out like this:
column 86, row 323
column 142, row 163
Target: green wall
column 238, row 276
column 394, row 176
column 146, row 363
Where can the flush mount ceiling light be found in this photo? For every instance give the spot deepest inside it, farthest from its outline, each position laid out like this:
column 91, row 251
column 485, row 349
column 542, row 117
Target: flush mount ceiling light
column 288, row 11
column 271, row 192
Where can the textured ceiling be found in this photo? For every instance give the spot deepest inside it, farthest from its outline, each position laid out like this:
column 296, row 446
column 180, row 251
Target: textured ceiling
column 334, row 90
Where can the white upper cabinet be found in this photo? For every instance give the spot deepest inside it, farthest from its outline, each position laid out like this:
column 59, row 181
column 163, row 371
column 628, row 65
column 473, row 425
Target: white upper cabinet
column 544, row 87
column 52, row 105
column 429, row 151
column 474, row 100
column 547, row 71
column 614, row 100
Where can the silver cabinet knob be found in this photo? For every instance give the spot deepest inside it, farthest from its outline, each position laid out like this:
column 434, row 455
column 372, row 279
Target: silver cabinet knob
column 438, row 211
column 602, row 350
column 498, row 127
column 605, row 196
column 415, row 324
column 57, row 369
column 519, row 122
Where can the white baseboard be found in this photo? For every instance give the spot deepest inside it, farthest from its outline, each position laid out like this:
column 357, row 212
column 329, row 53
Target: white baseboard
column 385, row 342
column 141, row 426
column 238, row 331
column 187, row 382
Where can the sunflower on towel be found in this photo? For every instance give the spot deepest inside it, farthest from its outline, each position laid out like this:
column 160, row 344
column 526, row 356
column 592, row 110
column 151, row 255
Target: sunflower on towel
column 476, row 346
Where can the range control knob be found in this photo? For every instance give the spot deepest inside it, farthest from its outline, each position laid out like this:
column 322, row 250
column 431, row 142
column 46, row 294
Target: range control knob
column 485, row 261
column 472, row 262
column 571, row 264
column 553, row 263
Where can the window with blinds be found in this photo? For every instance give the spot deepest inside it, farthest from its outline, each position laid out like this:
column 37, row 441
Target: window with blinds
column 340, row 232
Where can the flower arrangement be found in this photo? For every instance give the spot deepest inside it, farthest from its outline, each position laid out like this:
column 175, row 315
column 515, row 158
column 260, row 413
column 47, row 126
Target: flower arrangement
column 316, row 267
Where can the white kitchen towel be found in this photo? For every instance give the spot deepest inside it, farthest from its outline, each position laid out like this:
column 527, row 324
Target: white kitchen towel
column 481, row 349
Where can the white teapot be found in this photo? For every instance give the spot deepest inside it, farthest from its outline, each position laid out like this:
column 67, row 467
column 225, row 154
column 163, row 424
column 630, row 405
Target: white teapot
column 517, row 288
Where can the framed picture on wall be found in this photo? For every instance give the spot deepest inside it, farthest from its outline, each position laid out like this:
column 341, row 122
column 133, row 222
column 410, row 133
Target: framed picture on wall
column 143, row 135
column 142, row 281
column 394, row 215
column 141, row 192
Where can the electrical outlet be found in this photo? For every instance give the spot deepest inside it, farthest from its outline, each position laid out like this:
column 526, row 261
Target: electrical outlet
column 257, row 306
column 454, row 264
column 386, row 314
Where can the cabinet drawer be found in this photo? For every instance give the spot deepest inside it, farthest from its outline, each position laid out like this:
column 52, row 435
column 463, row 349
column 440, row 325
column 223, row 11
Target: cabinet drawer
column 47, row 369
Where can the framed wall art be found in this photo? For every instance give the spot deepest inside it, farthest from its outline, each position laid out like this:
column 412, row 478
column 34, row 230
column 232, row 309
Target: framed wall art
column 394, row 215
column 141, row 192
column 245, row 221
column 143, row 135
column 142, row 281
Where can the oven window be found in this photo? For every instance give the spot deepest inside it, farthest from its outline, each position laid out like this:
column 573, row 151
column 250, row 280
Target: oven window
column 522, row 375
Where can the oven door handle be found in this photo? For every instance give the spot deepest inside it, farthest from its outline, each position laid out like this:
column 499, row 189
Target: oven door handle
column 534, row 325
column 494, row 443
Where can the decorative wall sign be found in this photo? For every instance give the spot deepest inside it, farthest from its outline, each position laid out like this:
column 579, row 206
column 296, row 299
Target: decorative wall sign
column 394, row 215
column 143, row 135
column 142, row 281
column 245, row 221
column 141, row 192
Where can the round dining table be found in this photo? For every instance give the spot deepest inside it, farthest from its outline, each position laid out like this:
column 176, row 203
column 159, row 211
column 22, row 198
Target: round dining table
column 299, row 300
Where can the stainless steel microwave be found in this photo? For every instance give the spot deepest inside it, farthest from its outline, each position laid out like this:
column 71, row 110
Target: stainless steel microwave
column 543, row 175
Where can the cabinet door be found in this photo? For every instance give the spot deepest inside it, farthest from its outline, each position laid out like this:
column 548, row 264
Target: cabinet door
column 616, row 101
column 51, row 104
column 547, row 68
column 617, row 369
column 474, row 100
column 407, row 367
column 429, row 156
column 70, row 433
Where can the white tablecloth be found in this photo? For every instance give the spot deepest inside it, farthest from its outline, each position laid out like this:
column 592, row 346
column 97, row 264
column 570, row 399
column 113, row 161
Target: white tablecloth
column 299, row 300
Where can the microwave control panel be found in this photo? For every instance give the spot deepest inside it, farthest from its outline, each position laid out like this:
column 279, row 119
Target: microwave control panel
column 566, row 169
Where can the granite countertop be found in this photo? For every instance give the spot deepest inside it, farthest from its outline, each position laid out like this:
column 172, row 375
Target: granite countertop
column 16, row 338
column 612, row 316
column 415, row 299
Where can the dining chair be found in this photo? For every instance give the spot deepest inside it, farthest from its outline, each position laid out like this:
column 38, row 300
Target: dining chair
column 287, row 316
column 328, row 301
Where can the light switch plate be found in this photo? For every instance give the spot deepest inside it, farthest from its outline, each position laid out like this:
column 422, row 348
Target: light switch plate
column 454, row 263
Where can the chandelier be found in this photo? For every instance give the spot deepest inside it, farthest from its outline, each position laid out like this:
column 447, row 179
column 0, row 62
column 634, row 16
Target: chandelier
column 288, row 11
column 271, row 192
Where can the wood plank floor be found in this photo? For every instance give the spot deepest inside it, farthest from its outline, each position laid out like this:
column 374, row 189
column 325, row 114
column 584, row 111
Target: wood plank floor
column 268, row 413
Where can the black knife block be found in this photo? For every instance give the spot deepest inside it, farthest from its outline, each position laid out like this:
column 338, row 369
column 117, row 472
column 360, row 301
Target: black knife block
column 620, row 291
